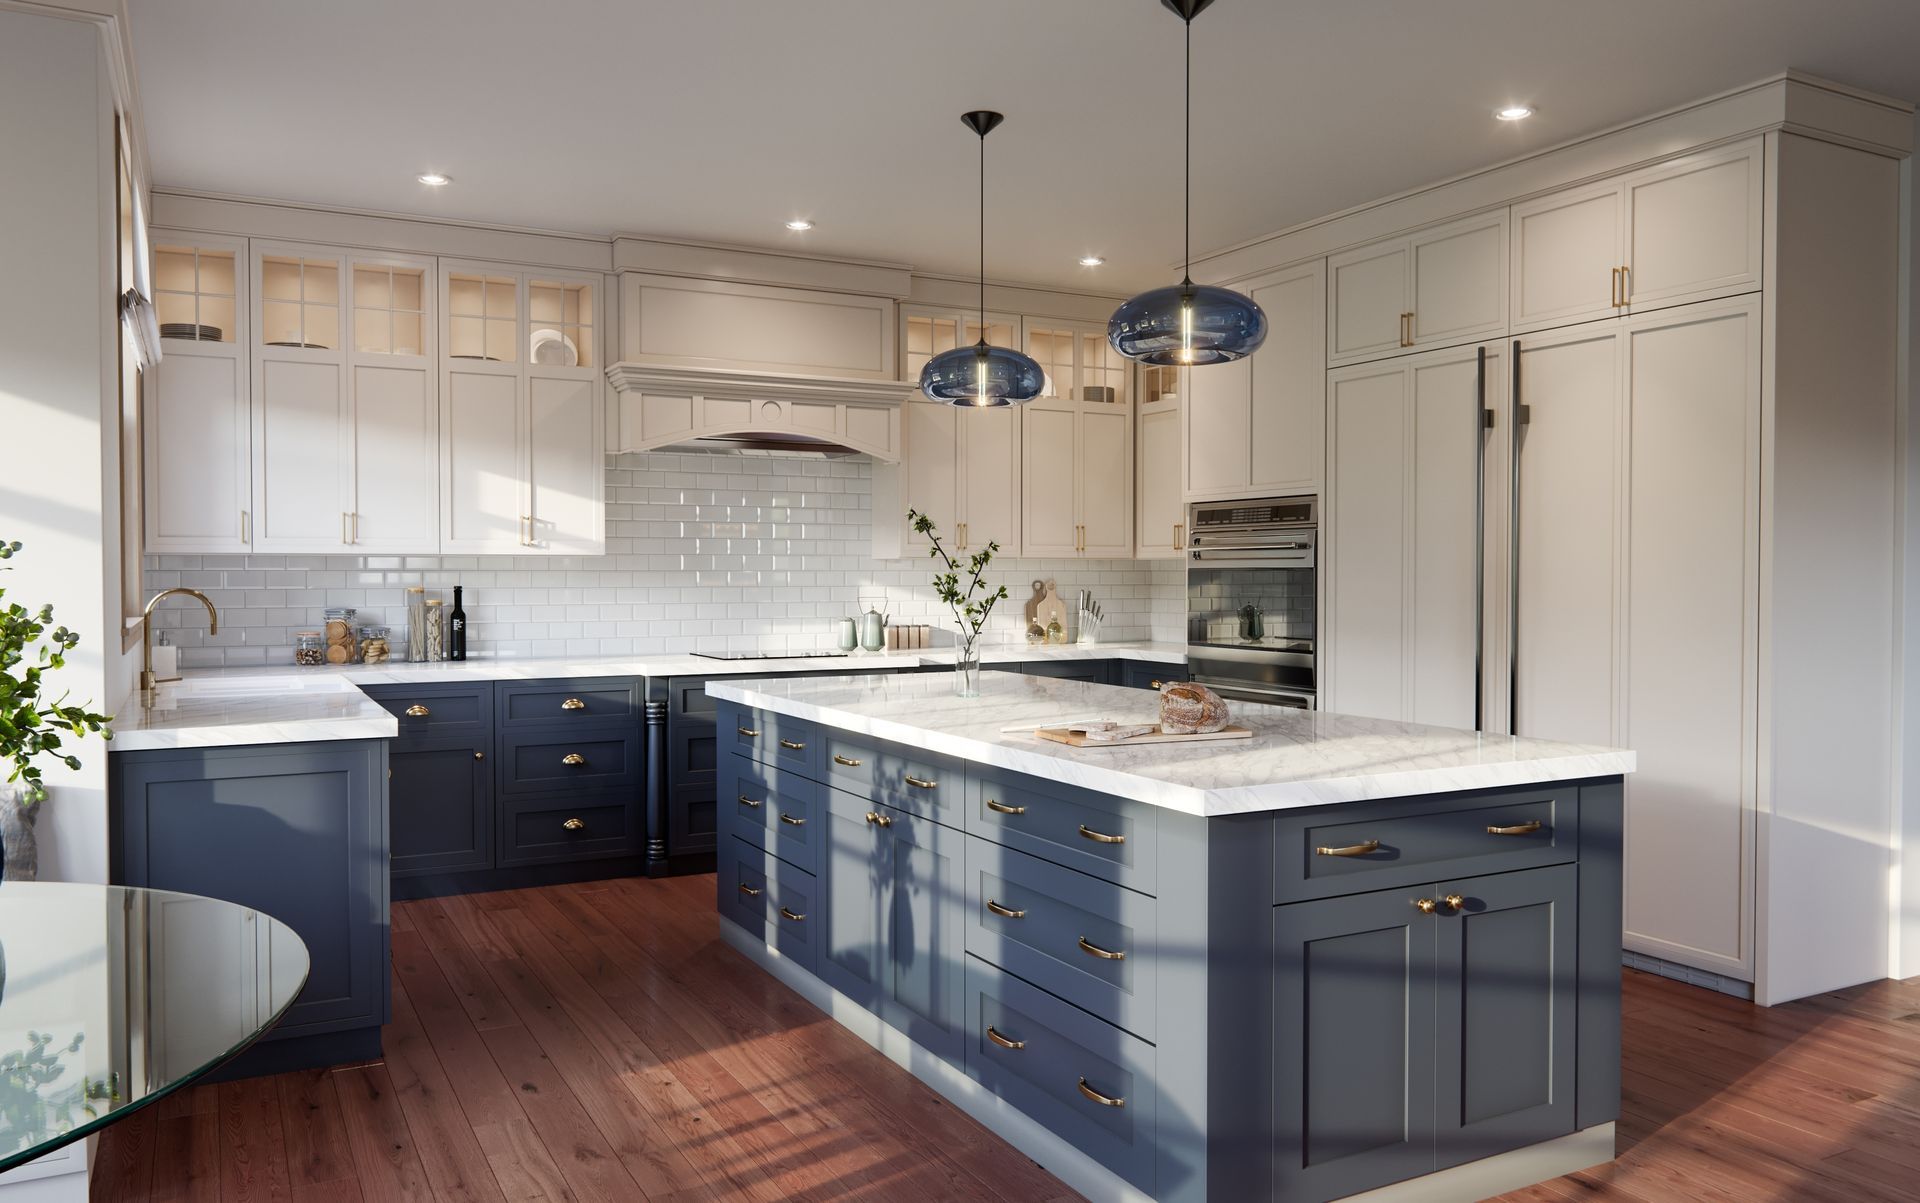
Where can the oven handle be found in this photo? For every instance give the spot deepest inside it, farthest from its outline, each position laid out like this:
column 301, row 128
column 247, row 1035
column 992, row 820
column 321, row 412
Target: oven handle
column 1240, row 557
column 1239, row 691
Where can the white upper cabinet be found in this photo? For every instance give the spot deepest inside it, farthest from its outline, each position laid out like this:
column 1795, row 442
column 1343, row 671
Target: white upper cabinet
column 1159, row 452
column 987, row 486
column 1076, row 479
column 931, row 466
column 1439, row 287
column 1081, row 365
column 196, row 408
column 1680, row 231
column 961, row 466
column 393, row 384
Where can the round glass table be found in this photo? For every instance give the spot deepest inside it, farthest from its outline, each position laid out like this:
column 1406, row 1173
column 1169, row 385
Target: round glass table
column 113, row 997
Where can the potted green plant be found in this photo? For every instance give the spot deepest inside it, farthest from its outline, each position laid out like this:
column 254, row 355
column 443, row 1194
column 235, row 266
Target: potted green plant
column 32, row 724
column 971, row 607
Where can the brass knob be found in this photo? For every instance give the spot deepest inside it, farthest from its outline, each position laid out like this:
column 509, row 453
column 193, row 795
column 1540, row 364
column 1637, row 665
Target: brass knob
column 1159, row 684
column 1425, row 906
column 573, row 760
column 479, row 755
column 573, row 704
column 575, row 825
column 416, row 711
column 879, row 820
column 1454, row 902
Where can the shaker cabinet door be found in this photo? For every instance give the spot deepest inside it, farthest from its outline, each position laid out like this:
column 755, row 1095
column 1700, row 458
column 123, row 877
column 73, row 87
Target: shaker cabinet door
column 987, row 488
column 302, row 439
column 922, row 881
column 1566, row 252
column 1367, row 302
column 199, row 484
column 853, row 900
column 482, row 506
column 565, row 498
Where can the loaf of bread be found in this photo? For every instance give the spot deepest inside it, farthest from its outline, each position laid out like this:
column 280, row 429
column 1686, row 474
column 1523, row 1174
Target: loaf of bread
column 1189, row 709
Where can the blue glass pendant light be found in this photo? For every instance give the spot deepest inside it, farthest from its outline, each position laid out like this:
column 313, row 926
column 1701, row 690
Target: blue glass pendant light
column 1187, row 323
column 982, row 375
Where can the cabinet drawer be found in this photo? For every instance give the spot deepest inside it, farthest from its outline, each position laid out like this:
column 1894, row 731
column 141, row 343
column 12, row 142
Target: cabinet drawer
column 548, row 762
column 540, row 830
column 568, row 703
column 1096, row 671
column 1148, row 674
column 770, row 738
column 1090, row 942
column 1062, row 1061
column 924, row 784
column 1418, row 841
column 769, row 898
column 1111, row 838
column 437, row 710
column 773, row 809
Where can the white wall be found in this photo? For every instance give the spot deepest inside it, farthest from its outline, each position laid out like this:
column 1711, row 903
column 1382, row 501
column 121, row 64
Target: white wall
column 1906, row 884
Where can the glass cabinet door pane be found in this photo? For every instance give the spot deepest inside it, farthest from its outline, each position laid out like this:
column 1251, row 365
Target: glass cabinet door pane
column 320, row 326
column 583, row 336
column 371, row 332
column 501, row 341
column 407, row 291
column 372, row 288
column 319, row 282
column 173, row 271
column 280, row 322
column 218, row 312
column 544, row 307
column 465, row 296
column 467, row 337
column 173, row 307
column 280, row 280
column 216, row 273
column 406, row 334
column 500, row 300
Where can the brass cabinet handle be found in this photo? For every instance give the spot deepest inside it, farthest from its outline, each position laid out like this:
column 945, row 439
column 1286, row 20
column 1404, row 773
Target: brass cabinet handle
column 574, row 825
column 417, row 711
column 748, row 890
column 1626, row 286
column 246, row 527
column 749, row 732
column 789, row 914
column 479, row 755
column 849, row 761
column 1003, row 808
column 917, row 783
column 356, row 526
column 1359, row 849
column 346, row 534
column 573, row 760
column 1002, row 1041
column 1099, row 1098
column 1179, row 535
column 1526, row 828
column 879, row 820
column 1100, row 837
column 1613, row 289
column 751, row 803
column 1159, row 684
column 1102, row 953
column 1454, row 902
column 1425, row 906
column 1005, row 912
column 573, row 704
column 790, row 821
column 792, row 746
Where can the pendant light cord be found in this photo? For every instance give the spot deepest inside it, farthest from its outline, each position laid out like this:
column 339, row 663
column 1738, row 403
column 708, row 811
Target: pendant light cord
column 1187, row 183
column 983, row 237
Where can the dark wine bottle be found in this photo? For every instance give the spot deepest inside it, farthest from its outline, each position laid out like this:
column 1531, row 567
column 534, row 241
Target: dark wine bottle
column 457, row 629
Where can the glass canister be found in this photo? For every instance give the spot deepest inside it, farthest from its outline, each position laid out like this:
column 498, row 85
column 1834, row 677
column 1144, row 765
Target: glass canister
column 416, row 622
column 436, row 629
column 309, row 649
column 343, row 647
column 376, row 645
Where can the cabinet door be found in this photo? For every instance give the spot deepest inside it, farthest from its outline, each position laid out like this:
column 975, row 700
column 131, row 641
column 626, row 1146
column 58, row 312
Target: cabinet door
column 199, row 484
column 1354, row 1043
column 1368, row 531
column 396, row 456
column 1459, row 290
column 1367, row 294
column 932, row 466
column 1105, row 469
column 442, row 807
column 566, row 475
column 1049, row 519
column 1287, row 440
column 1693, row 398
column 693, row 767
column 1570, row 485
column 1505, row 1000
column 302, row 440
column 480, row 506
column 922, row 883
column 987, row 488
column 1218, row 415
column 854, row 871
column 1159, row 516
column 1693, row 228
column 1565, row 249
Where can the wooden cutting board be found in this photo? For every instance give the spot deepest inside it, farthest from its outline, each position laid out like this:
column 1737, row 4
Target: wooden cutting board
column 1077, row 739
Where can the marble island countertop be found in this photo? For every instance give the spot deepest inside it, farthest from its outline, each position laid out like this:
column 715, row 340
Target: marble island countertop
column 285, row 703
column 1296, row 758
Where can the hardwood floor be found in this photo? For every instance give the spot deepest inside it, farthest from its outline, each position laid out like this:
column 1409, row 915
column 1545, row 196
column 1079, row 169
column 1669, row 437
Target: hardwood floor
column 598, row 1042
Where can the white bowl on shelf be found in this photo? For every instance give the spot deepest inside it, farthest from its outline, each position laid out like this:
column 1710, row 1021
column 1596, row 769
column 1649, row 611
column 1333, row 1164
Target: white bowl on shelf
column 554, row 348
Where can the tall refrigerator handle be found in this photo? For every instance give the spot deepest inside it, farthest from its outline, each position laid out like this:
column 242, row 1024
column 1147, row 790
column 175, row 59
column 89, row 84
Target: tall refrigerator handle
column 1482, row 419
column 1522, row 414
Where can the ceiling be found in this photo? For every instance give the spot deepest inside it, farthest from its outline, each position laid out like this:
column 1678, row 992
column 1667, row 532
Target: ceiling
column 719, row 120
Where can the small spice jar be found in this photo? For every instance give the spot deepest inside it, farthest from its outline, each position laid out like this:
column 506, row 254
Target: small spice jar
column 342, row 647
column 376, row 645
column 436, row 630
column 309, row 648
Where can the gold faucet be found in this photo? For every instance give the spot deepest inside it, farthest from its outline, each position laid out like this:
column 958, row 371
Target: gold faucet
column 147, row 680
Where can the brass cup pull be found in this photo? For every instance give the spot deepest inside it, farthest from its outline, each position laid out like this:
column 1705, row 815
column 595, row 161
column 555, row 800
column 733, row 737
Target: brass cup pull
column 879, row 820
column 1005, row 912
column 1526, row 828
column 1359, row 849
column 1004, row 809
column 917, row 783
column 1099, row 1098
column 791, row 746
column 573, row 704
column 749, row 732
column 748, row 890
column 1426, row 906
column 846, row 760
column 790, row 915
column 790, row 821
column 573, row 760
column 574, row 825
column 1002, row 1041
column 417, row 711
column 1454, row 902
column 1099, row 837
column 751, row 803
column 1102, row 953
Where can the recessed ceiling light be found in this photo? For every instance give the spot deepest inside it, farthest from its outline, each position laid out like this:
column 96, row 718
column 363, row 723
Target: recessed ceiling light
column 434, row 179
column 799, row 223
column 1514, row 112
column 1091, row 261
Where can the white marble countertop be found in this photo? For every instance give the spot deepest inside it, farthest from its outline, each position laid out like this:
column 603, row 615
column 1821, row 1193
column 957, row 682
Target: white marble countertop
column 285, row 703
column 1296, row 758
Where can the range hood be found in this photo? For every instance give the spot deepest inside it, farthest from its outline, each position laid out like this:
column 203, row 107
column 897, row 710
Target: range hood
column 660, row 406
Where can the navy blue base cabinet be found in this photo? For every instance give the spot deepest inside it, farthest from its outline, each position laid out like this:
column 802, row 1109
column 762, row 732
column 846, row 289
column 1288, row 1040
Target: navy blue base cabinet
column 298, row 831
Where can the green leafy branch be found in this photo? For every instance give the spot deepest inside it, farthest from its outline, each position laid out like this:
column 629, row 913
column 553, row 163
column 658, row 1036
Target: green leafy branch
column 30, row 723
column 971, row 607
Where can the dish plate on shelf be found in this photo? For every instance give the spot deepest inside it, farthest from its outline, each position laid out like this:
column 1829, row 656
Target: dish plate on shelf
column 188, row 330
column 487, row 358
column 553, row 347
column 308, row 346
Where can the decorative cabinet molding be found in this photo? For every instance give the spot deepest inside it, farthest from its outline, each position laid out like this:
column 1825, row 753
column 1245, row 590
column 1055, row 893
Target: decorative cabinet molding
column 660, row 405
column 721, row 324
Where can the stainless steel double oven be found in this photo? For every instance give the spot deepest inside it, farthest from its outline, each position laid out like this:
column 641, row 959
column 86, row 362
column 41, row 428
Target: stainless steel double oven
column 1251, row 598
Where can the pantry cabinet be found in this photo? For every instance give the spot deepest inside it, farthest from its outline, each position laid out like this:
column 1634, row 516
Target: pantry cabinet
column 1076, row 479
column 1254, row 427
column 1443, row 286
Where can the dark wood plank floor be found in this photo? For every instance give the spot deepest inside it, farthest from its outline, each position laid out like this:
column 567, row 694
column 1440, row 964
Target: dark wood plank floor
column 599, row 1042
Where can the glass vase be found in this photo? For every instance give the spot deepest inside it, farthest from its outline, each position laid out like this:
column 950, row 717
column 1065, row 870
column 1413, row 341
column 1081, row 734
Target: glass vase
column 966, row 672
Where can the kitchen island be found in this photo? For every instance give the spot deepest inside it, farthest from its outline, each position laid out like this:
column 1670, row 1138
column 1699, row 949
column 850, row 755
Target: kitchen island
column 1343, row 958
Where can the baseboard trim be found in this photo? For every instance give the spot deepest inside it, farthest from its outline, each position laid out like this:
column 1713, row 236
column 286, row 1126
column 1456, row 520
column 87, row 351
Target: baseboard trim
column 1502, row 1172
column 1706, row 979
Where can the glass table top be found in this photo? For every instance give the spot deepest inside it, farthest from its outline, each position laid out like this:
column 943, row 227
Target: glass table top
column 112, row 997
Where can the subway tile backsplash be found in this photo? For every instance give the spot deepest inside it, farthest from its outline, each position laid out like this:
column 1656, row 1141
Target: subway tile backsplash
column 705, row 552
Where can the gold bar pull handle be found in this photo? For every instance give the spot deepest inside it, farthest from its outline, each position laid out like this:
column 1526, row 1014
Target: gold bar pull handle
column 1005, row 912
column 1359, row 849
column 748, row 890
column 792, row 746
column 1002, row 1041
column 1613, row 289
column 1104, row 954
column 1626, row 286
column 751, row 803
column 1001, row 808
column 849, row 761
column 790, row 821
column 917, row 783
column 749, row 732
column 573, row 704
column 1096, row 1096
column 1100, row 837
column 573, row 760
column 790, row 915
column 1526, row 828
